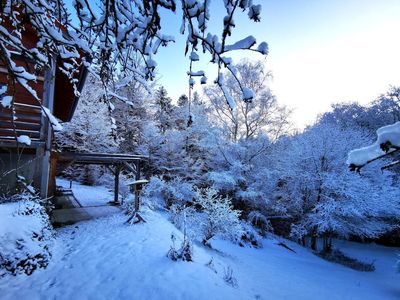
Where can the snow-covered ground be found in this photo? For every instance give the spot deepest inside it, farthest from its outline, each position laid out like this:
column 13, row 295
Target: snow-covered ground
column 88, row 195
column 108, row 259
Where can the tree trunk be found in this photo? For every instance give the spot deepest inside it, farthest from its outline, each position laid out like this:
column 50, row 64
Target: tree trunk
column 314, row 240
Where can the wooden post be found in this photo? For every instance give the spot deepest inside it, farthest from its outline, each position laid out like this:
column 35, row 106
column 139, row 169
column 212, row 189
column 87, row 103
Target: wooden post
column 136, row 217
column 137, row 187
column 46, row 130
column 116, row 183
column 52, row 179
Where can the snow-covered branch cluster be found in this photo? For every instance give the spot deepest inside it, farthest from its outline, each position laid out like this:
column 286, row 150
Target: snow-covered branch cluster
column 113, row 37
column 388, row 142
column 32, row 30
column 195, row 16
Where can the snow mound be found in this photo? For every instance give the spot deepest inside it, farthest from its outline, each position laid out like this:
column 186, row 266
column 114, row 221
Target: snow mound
column 25, row 235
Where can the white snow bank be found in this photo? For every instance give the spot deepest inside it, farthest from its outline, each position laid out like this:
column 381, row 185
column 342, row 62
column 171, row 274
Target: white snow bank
column 24, row 233
column 15, row 226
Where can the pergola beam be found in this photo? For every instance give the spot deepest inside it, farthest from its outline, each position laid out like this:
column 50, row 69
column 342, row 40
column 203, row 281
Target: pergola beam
column 118, row 161
column 116, row 183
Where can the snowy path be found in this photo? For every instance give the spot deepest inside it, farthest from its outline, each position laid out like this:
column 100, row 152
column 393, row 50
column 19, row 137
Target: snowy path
column 88, row 195
column 107, row 259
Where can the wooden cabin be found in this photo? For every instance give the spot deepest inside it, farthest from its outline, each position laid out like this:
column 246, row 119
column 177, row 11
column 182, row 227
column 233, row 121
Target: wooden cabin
column 57, row 94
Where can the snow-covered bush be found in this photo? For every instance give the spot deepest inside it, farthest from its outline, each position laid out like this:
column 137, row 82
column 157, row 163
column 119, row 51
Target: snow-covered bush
column 25, row 235
column 249, row 236
column 217, row 216
column 259, row 221
column 159, row 193
column 223, row 181
column 184, row 253
column 181, row 215
column 229, row 278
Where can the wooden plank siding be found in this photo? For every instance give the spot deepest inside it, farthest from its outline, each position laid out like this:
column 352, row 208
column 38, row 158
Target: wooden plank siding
column 28, row 121
column 27, row 111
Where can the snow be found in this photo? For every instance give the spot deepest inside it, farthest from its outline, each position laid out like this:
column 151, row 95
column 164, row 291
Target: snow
column 14, row 226
column 263, row 48
column 254, row 12
column 3, row 89
column 191, row 82
column 52, row 119
column 221, row 83
column 107, row 259
column 24, row 139
column 21, row 235
column 196, row 73
column 88, row 195
column 248, row 94
column 194, row 56
column 141, row 181
column 6, row 101
column 229, row 99
column 390, row 133
column 243, row 44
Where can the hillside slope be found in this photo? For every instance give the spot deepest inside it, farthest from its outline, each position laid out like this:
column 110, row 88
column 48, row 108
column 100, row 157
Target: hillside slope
column 108, row 259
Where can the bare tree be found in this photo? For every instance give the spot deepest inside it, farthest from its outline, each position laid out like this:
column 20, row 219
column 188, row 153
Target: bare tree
column 262, row 115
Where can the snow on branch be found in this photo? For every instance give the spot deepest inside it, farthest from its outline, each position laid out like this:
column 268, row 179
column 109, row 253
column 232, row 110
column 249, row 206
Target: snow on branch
column 388, row 142
column 243, row 44
column 195, row 16
column 108, row 37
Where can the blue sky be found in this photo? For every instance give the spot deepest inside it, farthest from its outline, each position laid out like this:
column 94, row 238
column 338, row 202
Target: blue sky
column 321, row 52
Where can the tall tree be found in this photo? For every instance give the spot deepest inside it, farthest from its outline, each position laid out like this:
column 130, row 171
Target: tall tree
column 183, row 100
column 250, row 118
column 163, row 109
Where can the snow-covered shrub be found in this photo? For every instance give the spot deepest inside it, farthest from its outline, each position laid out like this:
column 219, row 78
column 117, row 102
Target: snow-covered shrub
column 25, row 235
column 211, row 265
column 260, row 221
column 298, row 231
column 159, row 193
column 184, row 253
column 181, row 217
column 249, row 236
column 223, row 181
column 217, row 216
column 229, row 278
